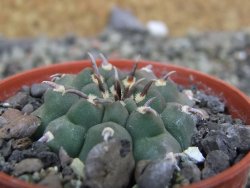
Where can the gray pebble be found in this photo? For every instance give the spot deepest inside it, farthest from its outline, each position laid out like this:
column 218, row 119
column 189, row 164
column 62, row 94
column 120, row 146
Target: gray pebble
column 3, row 121
column 157, row 173
column 28, row 166
column 28, row 108
column 244, row 136
column 37, row 90
column 216, row 161
column 190, row 171
column 25, row 89
column 218, row 140
column 6, row 148
column 51, row 181
column 18, row 100
column 109, row 164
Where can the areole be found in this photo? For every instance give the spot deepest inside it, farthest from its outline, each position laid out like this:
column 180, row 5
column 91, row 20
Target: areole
column 238, row 105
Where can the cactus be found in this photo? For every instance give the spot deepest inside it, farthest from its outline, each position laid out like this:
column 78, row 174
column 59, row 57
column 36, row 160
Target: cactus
column 148, row 111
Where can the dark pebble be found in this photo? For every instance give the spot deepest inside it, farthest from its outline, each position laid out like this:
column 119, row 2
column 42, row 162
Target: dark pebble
column 211, row 102
column 33, row 152
column 25, row 89
column 18, row 100
column 51, row 181
column 6, row 148
column 37, row 90
column 48, row 158
column 67, row 171
column 28, row 108
column 218, row 140
column 244, row 135
column 190, row 171
column 39, row 147
column 216, row 161
column 6, row 167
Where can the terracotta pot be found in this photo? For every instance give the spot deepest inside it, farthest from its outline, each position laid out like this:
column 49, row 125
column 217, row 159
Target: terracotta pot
column 238, row 105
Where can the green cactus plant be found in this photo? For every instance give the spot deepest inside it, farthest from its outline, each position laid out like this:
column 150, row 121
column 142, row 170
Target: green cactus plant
column 148, row 111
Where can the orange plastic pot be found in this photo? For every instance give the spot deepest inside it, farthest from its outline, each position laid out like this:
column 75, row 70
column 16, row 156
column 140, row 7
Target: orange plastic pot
column 238, row 106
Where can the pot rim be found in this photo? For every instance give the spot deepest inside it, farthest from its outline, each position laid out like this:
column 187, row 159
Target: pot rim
column 227, row 174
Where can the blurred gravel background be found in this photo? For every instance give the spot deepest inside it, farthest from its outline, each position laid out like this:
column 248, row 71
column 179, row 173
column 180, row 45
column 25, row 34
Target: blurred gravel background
column 223, row 54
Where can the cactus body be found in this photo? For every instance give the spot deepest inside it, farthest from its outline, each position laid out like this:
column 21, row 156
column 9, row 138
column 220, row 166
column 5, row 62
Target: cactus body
column 180, row 124
column 94, row 136
column 97, row 98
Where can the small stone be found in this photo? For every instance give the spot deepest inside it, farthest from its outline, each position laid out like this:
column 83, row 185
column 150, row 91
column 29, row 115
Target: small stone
column 39, row 147
column 25, row 177
column 25, row 89
column 105, row 166
column 194, row 154
column 157, row 173
column 37, row 90
column 244, row 136
column 27, row 166
column 211, row 102
column 36, row 176
column 6, row 167
column 190, row 171
column 218, row 140
column 6, row 148
column 216, row 161
column 18, row 100
column 18, row 125
column 157, row 28
column 51, row 181
column 28, row 108
column 21, row 143
column 67, row 171
column 48, row 158
column 78, row 167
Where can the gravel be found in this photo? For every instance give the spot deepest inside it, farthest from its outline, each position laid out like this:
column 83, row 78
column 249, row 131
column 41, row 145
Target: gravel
column 223, row 54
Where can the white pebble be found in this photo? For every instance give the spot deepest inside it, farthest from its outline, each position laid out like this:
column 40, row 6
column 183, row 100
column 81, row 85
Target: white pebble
column 194, row 154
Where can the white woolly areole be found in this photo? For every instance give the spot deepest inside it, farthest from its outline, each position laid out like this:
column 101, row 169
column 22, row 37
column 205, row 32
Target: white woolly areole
column 145, row 109
column 60, row 88
column 91, row 98
column 105, row 95
column 139, row 98
column 185, row 109
column 107, row 133
column 194, row 154
column 160, row 82
column 112, row 89
column 47, row 137
column 107, row 67
column 126, row 83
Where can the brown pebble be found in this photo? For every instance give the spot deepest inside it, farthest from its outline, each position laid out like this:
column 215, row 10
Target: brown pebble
column 21, row 143
column 18, row 125
column 51, row 181
column 27, row 166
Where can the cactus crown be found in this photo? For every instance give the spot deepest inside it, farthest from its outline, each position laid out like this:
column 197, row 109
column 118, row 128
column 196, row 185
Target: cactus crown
column 81, row 110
